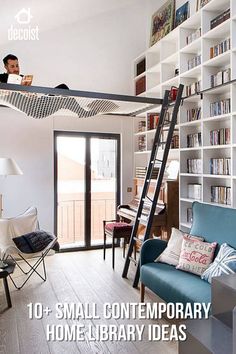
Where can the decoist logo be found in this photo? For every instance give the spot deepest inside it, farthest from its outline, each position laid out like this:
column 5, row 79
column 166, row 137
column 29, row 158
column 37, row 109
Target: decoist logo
column 25, row 32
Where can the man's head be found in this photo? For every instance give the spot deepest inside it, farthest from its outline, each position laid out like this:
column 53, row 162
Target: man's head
column 11, row 64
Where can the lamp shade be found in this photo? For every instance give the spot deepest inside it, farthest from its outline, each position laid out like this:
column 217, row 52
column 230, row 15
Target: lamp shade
column 9, row 167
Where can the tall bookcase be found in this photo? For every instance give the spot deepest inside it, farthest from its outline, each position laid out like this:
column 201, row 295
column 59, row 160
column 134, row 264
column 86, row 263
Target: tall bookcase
column 198, row 56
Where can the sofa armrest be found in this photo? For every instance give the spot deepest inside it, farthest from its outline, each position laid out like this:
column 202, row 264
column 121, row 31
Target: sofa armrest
column 151, row 249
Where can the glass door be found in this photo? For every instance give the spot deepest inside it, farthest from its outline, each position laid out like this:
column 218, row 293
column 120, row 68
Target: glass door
column 87, row 180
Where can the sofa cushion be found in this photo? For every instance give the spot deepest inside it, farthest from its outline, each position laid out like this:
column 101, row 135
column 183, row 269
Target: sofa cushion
column 224, row 263
column 196, row 256
column 173, row 285
column 172, row 252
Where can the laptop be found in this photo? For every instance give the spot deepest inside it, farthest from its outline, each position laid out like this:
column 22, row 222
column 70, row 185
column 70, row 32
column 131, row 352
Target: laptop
column 25, row 80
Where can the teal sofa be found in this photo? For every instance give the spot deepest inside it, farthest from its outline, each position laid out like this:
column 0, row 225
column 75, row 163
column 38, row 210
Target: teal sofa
column 214, row 223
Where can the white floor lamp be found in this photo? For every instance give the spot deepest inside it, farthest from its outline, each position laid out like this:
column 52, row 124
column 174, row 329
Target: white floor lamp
column 8, row 167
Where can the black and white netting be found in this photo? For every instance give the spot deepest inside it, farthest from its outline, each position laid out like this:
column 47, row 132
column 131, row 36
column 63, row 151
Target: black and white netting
column 37, row 105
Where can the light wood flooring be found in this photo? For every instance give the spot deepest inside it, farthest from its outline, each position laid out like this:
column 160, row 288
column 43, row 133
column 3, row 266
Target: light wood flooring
column 78, row 277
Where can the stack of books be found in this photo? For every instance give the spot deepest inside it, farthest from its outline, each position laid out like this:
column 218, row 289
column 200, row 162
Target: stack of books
column 220, row 136
column 194, row 191
column 192, row 63
column 140, row 172
column 221, row 195
column 220, row 48
column 220, row 19
column 193, row 88
column 175, row 142
column 194, row 140
column 194, row 166
column 220, row 107
column 141, row 126
column 193, row 114
column 141, row 143
column 193, row 36
column 220, row 166
column 221, row 77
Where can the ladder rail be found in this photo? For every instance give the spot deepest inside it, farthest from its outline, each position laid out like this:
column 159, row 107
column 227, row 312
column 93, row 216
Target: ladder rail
column 146, row 184
column 160, row 175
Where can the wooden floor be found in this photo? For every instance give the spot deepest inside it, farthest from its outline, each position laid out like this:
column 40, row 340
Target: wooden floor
column 79, row 277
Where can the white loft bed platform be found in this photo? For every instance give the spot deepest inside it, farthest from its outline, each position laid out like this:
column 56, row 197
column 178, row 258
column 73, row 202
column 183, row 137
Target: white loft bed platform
column 41, row 102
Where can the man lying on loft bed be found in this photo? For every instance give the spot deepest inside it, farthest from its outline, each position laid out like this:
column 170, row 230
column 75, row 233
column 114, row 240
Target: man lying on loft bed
column 11, row 64
column 44, row 105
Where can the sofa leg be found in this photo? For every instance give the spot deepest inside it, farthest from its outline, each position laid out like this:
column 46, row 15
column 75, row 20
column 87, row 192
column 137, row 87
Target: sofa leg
column 142, row 292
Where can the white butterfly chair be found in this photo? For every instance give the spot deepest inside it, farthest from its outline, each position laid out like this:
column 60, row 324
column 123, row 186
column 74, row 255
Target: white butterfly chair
column 18, row 226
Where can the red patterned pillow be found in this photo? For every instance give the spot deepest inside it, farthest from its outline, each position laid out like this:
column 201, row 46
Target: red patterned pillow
column 196, row 256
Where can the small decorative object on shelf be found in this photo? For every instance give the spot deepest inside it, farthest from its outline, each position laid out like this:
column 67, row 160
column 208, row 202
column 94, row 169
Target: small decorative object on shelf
column 220, row 19
column 194, row 166
column 220, row 48
column 175, row 142
column 220, row 136
column 221, row 195
column 194, row 140
column 162, row 22
column 193, row 114
column 220, row 107
column 182, row 13
column 195, row 61
column 193, row 36
column 194, row 191
column 189, row 215
column 221, row 166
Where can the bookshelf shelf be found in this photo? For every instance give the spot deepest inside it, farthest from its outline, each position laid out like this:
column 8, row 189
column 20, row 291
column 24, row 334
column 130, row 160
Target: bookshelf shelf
column 169, row 60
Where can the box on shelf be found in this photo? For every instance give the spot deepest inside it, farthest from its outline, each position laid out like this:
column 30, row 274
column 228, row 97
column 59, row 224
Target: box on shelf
column 140, row 85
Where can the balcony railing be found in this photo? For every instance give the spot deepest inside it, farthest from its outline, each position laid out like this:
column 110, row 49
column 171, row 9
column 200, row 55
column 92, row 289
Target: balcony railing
column 70, row 225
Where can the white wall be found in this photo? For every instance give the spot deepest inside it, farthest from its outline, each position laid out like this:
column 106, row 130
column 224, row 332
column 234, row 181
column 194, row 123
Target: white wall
column 30, row 142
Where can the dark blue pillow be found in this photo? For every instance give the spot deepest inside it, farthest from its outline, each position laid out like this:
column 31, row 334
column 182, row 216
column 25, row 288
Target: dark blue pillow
column 35, row 241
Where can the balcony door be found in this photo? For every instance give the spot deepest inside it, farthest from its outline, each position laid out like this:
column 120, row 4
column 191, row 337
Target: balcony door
column 87, row 185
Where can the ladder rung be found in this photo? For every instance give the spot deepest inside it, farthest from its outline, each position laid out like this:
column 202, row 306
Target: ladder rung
column 158, row 160
column 162, row 142
column 133, row 260
column 138, row 240
column 149, row 199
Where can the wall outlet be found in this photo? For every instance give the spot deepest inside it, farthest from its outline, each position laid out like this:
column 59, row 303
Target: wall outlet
column 129, row 189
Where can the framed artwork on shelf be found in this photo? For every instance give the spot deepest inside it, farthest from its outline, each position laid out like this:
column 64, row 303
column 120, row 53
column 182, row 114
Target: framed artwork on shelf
column 201, row 3
column 182, row 13
column 162, row 22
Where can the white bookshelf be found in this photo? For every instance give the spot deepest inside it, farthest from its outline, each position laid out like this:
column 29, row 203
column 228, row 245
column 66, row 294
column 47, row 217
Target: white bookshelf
column 171, row 53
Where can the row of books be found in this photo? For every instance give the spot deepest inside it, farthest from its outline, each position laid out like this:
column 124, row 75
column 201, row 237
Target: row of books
column 221, row 77
column 193, row 114
column 220, row 166
column 141, row 143
column 140, row 172
column 193, row 36
column 152, row 120
column 194, row 191
column 220, row 48
column 221, row 195
column 220, row 107
column 193, row 88
column 220, row 136
column 220, row 19
column 194, row 166
column 141, row 126
column 175, row 142
column 194, row 140
column 192, row 63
